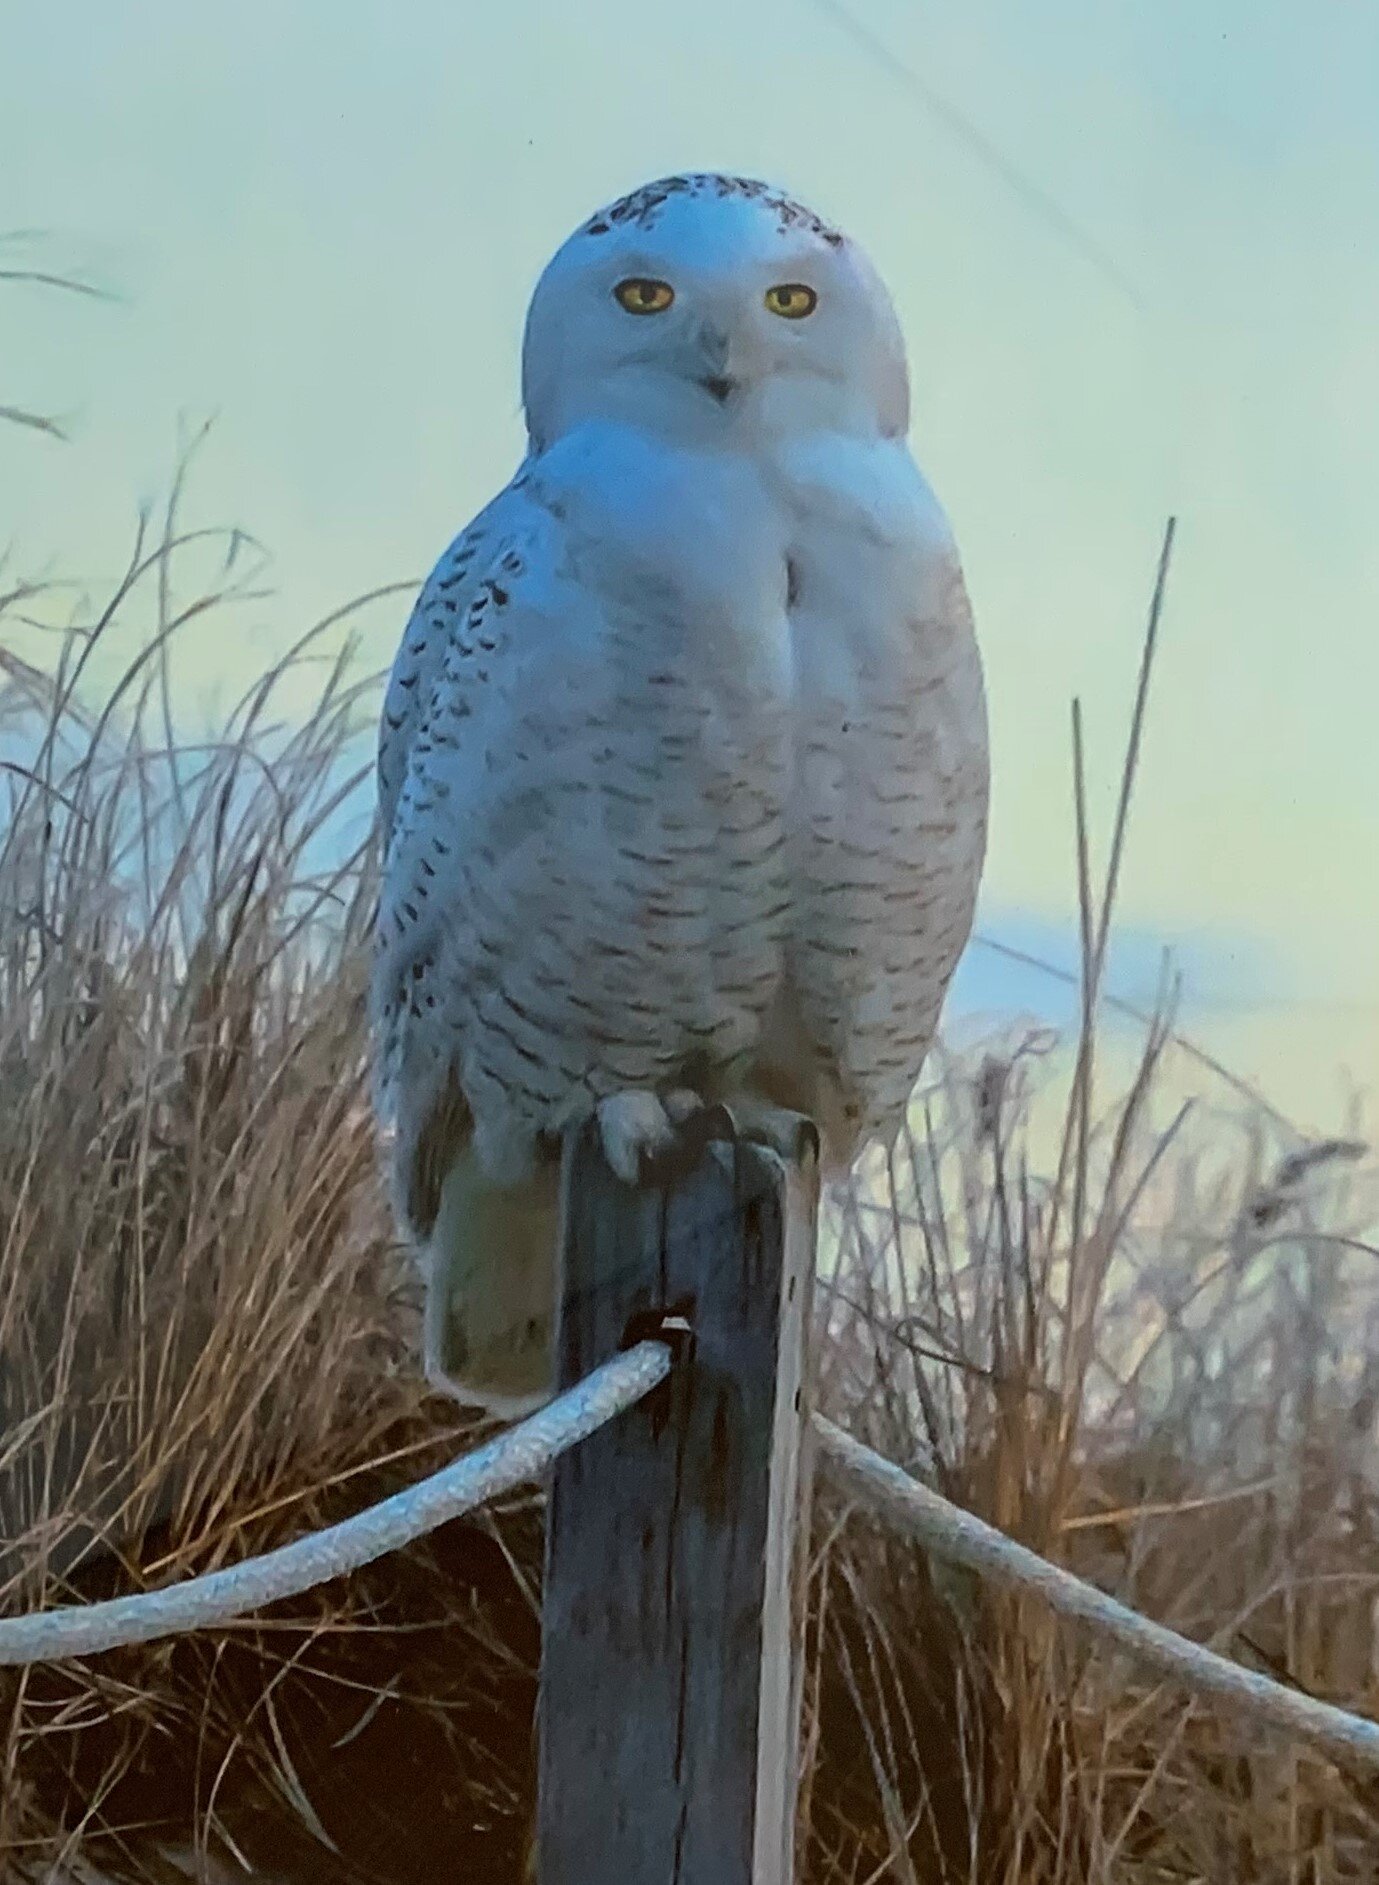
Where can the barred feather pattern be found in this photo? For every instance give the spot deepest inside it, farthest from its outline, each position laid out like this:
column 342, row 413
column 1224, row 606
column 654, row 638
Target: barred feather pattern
column 648, row 830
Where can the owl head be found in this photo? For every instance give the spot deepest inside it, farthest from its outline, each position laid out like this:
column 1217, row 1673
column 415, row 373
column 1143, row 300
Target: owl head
column 708, row 306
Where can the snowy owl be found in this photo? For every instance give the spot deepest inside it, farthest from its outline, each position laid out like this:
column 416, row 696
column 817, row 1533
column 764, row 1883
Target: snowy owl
column 683, row 762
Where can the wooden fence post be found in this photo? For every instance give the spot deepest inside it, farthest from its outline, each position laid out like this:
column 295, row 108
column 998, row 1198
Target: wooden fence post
column 673, row 1613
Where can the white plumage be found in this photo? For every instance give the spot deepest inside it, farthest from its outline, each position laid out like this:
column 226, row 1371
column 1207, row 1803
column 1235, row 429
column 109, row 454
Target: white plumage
column 683, row 768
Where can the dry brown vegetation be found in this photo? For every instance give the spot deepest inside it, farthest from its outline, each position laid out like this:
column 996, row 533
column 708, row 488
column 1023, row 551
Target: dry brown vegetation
column 1152, row 1356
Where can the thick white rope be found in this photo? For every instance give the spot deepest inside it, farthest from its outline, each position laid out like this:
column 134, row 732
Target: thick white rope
column 511, row 1459
column 525, row 1452
column 952, row 1533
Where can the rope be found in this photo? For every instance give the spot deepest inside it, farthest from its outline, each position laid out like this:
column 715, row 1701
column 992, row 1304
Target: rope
column 524, row 1453
column 952, row 1533
column 511, row 1459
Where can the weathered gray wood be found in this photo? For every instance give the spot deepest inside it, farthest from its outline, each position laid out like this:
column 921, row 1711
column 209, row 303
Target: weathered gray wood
column 674, row 1555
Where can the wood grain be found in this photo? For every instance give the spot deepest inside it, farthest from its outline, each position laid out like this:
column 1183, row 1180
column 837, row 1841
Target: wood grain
column 670, row 1688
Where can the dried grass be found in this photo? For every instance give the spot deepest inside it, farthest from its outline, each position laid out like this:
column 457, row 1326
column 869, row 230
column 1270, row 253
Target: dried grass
column 1154, row 1361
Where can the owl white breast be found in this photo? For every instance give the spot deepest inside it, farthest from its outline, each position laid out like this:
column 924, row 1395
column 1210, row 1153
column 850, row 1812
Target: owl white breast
column 683, row 771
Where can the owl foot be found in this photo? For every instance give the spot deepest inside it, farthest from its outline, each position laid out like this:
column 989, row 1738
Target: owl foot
column 652, row 1138
column 791, row 1136
column 682, row 1104
column 633, row 1127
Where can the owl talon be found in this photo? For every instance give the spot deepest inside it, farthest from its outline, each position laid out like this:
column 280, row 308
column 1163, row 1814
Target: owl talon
column 698, row 1126
column 651, row 1139
column 791, row 1136
column 633, row 1128
column 682, row 1104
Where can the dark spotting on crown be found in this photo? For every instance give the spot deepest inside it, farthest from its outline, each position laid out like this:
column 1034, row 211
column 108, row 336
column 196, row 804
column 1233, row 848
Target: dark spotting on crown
column 641, row 209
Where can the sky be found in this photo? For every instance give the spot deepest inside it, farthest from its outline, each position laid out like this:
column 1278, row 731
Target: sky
column 1133, row 249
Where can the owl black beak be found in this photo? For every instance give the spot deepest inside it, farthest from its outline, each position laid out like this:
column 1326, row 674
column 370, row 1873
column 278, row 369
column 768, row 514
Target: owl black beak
column 712, row 350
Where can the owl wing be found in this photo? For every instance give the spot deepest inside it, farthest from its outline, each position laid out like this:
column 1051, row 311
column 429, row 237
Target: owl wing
column 500, row 893
column 448, row 700
column 446, row 595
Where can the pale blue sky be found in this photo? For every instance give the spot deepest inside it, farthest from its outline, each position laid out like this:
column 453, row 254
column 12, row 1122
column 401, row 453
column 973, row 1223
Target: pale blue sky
column 325, row 221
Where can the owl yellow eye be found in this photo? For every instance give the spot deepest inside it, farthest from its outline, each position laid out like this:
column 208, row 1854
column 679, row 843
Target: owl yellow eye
column 639, row 294
column 791, row 299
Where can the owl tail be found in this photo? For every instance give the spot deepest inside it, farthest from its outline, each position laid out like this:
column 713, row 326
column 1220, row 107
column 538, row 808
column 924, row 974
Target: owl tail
column 490, row 1296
